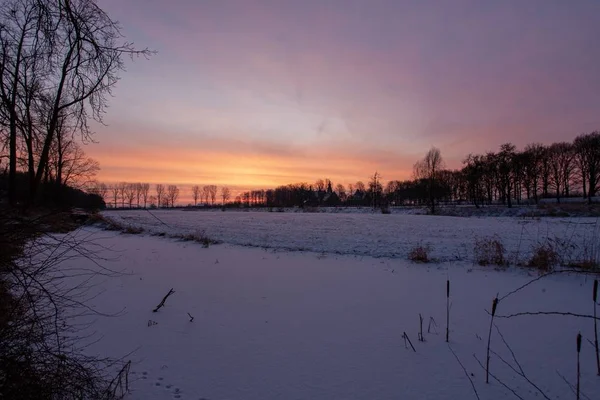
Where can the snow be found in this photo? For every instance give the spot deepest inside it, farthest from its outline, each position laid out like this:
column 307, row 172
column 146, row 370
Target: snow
column 373, row 235
column 274, row 324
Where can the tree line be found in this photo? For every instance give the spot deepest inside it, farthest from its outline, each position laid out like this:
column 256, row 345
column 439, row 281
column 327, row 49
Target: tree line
column 126, row 194
column 508, row 176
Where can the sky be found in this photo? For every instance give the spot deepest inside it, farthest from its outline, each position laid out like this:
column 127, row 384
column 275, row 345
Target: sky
column 254, row 94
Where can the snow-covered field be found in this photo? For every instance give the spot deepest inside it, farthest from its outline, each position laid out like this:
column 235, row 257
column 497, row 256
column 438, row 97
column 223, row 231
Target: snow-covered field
column 272, row 324
column 326, row 321
column 373, row 235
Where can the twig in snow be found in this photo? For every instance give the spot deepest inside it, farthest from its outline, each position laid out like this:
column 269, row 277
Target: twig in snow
column 498, row 380
column 571, row 386
column 405, row 336
column 520, row 372
column 159, row 220
column 432, row 323
column 569, row 314
column 162, row 303
column 421, row 338
column 564, row 271
column 191, row 318
column 466, row 373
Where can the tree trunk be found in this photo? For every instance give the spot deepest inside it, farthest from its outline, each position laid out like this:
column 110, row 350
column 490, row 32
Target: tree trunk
column 12, row 168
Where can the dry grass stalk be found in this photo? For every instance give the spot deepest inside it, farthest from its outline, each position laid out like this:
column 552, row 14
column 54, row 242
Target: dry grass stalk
column 419, row 254
column 489, row 251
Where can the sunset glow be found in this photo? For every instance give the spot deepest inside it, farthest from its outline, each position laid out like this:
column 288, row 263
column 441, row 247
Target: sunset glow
column 260, row 93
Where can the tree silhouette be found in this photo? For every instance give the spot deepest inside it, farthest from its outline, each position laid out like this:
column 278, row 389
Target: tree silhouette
column 160, row 193
column 60, row 60
column 428, row 169
column 172, row 194
column 196, row 194
column 225, row 194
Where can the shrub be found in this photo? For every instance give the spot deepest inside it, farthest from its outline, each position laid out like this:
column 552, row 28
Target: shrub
column 419, row 254
column 133, row 230
column 544, row 257
column 489, row 251
column 196, row 237
column 41, row 353
column 585, row 265
column 386, row 210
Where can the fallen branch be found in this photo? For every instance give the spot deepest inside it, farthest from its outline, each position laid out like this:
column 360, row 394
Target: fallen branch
column 565, row 271
column 191, row 318
column 432, row 323
column 162, row 303
column 466, row 373
column 405, row 336
column 569, row 314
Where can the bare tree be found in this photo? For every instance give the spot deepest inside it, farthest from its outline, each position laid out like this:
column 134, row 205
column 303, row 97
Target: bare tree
column 145, row 190
column 160, row 193
column 172, row 194
column 196, row 194
column 561, row 157
column 533, row 168
column 341, row 191
column 587, row 156
column 375, row 189
column 123, row 192
column 129, row 193
column 320, row 185
column 115, row 191
column 225, row 194
column 212, row 192
column 68, row 164
column 506, row 168
column 206, row 194
column 350, row 190
column 429, row 168
column 18, row 32
column 59, row 60
column 138, row 193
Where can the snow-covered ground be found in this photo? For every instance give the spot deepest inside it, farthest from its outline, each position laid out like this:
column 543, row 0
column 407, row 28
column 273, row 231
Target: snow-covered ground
column 274, row 324
column 373, row 235
column 328, row 323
